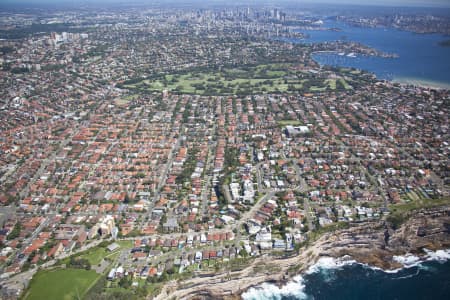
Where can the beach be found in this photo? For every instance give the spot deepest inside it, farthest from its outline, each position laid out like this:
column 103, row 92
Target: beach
column 422, row 83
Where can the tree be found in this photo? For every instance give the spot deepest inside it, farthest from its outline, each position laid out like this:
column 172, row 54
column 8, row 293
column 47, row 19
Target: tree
column 141, row 292
column 163, row 220
column 125, row 282
column 127, row 199
column 26, row 266
column 80, row 263
column 243, row 253
column 305, row 228
column 15, row 232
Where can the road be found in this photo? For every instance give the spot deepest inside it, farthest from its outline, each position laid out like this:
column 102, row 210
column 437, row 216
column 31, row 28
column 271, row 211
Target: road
column 11, row 168
column 249, row 214
column 176, row 235
column 26, row 242
column 21, row 280
column 303, row 188
column 226, row 193
column 259, row 176
column 302, row 182
column 45, row 162
column 163, row 177
column 209, row 166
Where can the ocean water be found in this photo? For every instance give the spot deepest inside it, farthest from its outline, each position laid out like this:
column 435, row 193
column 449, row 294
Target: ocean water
column 337, row 279
column 421, row 58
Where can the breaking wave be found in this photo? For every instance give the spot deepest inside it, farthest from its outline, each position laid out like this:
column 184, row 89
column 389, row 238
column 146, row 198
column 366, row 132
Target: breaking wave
column 330, row 263
column 439, row 255
column 295, row 289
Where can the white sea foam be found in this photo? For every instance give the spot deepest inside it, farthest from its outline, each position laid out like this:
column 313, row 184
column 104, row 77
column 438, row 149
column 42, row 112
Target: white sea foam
column 327, row 263
column 294, row 288
column 383, row 270
column 439, row 255
column 408, row 260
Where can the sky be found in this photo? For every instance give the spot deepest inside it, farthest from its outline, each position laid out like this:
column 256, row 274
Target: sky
column 423, row 3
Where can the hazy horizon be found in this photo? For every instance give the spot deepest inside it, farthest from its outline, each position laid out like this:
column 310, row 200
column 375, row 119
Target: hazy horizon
column 398, row 3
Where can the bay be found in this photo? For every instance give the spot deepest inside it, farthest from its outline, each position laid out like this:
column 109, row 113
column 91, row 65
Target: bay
column 421, row 59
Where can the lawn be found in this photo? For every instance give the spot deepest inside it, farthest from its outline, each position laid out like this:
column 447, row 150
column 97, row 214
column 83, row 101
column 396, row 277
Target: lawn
column 399, row 213
column 331, row 83
column 418, row 204
column 345, row 84
column 318, row 89
column 62, row 284
column 125, row 244
column 95, row 255
column 270, row 78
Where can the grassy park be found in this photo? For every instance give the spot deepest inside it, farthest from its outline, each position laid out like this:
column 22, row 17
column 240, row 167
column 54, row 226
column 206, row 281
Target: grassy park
column 61, row 284
column 95, row 255
column 71, row 283
column 269, row 78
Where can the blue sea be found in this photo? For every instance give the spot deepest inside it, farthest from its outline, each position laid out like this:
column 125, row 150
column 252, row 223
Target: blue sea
column 343, row 279
column 421, row 58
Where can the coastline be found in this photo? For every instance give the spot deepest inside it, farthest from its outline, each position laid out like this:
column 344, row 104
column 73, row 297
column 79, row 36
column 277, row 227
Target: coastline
column 301, row 286
column 374, row 244
column 430, row 84
column 404, row 81
column 361, row 51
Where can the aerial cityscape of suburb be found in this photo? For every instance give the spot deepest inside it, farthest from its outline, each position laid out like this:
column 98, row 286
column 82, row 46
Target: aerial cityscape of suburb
column 212, row 149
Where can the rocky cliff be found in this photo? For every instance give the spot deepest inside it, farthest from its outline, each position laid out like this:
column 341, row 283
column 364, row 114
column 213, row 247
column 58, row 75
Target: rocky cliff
column 374, row 243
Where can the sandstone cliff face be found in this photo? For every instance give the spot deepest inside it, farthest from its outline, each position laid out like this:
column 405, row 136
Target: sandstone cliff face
column 374, row 243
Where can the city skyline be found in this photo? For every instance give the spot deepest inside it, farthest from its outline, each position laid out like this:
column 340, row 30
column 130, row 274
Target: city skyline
column 397, row 3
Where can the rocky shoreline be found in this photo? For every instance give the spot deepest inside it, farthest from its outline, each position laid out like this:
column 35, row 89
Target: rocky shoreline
column 375, row 244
